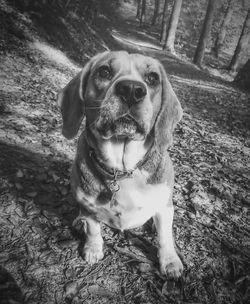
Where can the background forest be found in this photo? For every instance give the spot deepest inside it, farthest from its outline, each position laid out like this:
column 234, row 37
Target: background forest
column 228, row 19
column 211, row 33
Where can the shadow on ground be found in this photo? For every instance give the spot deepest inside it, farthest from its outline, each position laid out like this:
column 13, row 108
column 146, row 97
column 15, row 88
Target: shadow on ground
column 35, row 176
column 9, row 290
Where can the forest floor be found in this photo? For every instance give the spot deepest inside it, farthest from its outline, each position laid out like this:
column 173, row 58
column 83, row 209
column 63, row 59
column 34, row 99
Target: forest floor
column 39, row 256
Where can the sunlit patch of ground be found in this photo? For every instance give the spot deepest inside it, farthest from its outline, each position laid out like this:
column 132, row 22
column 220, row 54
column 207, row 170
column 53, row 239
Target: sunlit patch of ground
column 134, row 41
column 54, row 55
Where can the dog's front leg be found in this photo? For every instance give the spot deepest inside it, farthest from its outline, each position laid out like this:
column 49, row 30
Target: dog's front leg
column 169, row 261
column 93, row 247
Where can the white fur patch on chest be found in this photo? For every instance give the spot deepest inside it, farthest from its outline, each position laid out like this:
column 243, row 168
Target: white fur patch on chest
column 136, row 201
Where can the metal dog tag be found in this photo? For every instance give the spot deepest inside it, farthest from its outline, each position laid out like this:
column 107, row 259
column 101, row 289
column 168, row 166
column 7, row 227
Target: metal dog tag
column 114, row 187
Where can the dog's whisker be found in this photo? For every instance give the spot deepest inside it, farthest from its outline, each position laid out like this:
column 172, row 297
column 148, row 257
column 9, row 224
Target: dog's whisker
column 96, row 107
column 92, row 123
column 93, row 108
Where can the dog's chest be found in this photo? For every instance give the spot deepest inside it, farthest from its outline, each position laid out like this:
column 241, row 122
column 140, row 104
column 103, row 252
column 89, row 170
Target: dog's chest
column 136, row 201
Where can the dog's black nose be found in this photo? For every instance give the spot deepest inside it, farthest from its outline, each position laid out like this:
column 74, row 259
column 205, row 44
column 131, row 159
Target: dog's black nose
column 130, row 91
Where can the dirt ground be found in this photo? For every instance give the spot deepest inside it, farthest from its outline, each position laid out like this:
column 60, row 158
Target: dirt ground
column 40, row 241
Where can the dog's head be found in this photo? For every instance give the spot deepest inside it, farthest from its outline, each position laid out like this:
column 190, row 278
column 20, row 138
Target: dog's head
column 122, row 95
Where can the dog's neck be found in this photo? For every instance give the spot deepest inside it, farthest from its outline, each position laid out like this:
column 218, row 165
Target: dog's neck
column 120, row 154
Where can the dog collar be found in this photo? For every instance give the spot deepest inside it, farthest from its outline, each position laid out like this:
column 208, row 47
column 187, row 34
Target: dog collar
column 111, row 173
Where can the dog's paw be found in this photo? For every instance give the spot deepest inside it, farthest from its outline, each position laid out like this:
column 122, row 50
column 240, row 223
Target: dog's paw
column 92, row 252
column 171, row 266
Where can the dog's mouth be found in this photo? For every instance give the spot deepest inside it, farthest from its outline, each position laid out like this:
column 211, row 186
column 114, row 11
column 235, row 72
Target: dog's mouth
column 125, row 126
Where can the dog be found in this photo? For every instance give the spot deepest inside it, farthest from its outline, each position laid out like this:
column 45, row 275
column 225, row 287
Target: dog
column 122, row 174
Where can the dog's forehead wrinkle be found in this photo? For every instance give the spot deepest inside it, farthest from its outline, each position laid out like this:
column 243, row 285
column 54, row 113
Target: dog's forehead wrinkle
column 150, row 67
column 145, row 65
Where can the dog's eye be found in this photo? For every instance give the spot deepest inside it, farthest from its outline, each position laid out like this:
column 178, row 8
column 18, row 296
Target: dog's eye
column 105, row 72
column 152, row 79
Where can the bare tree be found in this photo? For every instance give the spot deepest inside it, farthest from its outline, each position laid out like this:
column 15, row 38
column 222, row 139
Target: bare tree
column 242, row 79
column 172, row 26
column 164, row 24
column 138, row 12
column 221, row 35
column 242, row 43
column 207, row 25
column 143, row 11
column 156, row 12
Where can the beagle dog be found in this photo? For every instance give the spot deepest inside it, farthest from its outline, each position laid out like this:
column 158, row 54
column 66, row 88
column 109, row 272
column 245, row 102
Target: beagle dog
column 122, row 174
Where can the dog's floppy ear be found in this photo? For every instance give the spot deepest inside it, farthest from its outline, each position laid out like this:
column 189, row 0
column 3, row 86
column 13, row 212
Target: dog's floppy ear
column 169, row 115
column 71, row 100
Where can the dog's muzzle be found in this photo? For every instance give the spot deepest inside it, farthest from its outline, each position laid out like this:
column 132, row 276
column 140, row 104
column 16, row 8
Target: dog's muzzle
column 122, row 127
column 129, row 94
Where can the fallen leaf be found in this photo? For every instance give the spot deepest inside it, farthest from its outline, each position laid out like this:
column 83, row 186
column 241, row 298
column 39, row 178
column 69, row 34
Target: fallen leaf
column 19, row 173
column 100, row 291
column 31, row 194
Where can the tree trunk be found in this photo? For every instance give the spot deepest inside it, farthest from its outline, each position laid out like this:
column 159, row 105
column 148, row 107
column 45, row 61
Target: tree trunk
column 223, row 29
column 242, row 79
column 242, row 43
column 164, row 24
column 138, row 12
column 143, row 11
column 170, row 37
column 156, row 12
column 207, row 25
